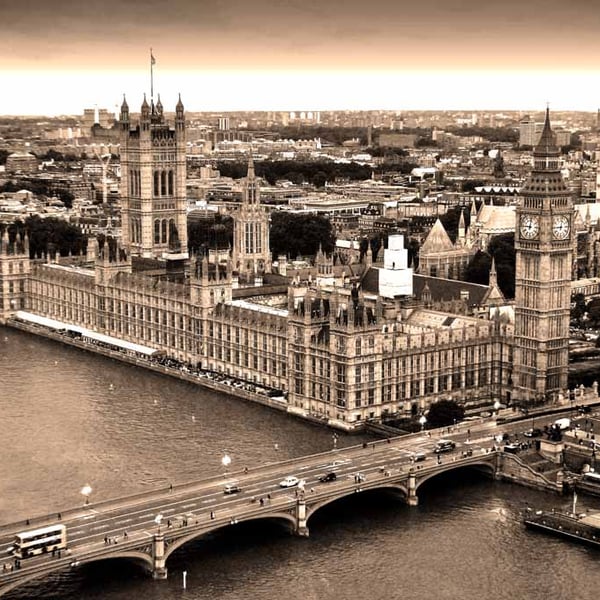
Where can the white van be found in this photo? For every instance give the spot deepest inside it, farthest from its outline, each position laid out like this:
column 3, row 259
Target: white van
column 563, row 424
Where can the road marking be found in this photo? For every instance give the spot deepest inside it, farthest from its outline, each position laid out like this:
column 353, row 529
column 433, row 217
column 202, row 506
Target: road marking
column 189, row 505
column 122, row 521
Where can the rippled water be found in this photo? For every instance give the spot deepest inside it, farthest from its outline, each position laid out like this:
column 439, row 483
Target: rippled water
column 69, row 418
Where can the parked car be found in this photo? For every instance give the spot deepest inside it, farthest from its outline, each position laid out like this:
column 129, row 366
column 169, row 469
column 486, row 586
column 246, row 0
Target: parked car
column 328, row 477
column 419, row 456
column 289, row 481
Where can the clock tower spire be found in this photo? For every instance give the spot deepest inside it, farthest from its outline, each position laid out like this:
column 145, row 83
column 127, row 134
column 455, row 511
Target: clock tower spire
column 544, row 255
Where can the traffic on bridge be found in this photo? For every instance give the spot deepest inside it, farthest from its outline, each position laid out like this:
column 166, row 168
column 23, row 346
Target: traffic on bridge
column 148, row 527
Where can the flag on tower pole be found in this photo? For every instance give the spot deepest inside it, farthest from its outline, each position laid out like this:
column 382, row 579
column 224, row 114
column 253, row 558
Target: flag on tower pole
column 152, row 63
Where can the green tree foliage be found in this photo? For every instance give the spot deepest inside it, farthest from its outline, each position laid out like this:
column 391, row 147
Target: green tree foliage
column 294, row 235
column 51, row 235
column 471, row 184
column 332, row 135
column 216, row 234
column 315, row 172
column 493, row 134
column 451, row 220
column 578, row 308
column 593, row 310
column 502, row 248
column 39, row 188
column 444, row 413
column 478, row 269
column 387, row 152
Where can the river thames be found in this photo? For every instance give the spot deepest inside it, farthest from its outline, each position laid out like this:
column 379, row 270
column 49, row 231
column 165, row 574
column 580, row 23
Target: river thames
column 70, row 418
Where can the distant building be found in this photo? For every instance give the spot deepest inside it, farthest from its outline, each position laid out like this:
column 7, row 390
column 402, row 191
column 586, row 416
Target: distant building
column 22, row 162
column 397, row 140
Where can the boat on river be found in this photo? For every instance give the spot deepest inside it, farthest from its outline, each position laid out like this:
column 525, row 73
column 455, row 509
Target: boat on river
column 583, row 528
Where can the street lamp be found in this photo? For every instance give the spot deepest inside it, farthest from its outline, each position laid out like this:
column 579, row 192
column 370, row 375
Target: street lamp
column 496, row 407
column 86, row 490
column 334, row 437
column 422, row 421
column 158, row 520
column 226, row 461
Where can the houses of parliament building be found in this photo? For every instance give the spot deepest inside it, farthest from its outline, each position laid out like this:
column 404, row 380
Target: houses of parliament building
column 345, row 343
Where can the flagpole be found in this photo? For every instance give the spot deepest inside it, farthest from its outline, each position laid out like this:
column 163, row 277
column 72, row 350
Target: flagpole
column 151, row 76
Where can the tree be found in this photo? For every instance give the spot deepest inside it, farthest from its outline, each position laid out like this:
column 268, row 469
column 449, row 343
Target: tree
column 478, row 269
column 294, row 235
column 593, row 310
column 51, row 235
column 578, row 307
column 502, row 248
column 444, row 413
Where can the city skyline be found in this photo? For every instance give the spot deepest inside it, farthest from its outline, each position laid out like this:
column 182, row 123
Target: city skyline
column 300, row 56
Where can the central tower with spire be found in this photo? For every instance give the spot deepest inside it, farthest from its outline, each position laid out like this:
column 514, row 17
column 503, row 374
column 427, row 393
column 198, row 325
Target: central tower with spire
column 544, row 257
column 153, row 178
column 251, row 250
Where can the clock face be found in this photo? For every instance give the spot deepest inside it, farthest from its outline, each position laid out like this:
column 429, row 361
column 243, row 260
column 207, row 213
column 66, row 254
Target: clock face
column 530, row 226
column 561, row 227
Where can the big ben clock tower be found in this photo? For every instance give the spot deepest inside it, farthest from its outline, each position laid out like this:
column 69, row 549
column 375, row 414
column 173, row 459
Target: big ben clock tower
column 544, row 256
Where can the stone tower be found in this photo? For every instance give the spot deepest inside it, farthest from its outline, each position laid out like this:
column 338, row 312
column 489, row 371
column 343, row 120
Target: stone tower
column 153, row 177
column 544, row 257
column 251, row 249
column 14, row 272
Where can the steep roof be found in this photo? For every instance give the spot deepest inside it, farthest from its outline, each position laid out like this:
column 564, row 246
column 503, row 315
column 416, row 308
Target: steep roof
column 437, row 240
column 446, row 290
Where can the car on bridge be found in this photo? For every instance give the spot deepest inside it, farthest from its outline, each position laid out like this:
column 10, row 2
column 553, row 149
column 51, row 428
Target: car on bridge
column 232, row 488
column 418, row 456
column 444, row 446
column 328, row 477
column 289, row 481
column 533, row 432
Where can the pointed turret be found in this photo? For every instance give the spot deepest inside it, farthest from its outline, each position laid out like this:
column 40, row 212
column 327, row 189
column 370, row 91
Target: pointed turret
column 159, row 106
column 462, row 229
column 547, row 144
column 493, row 280
column 179, row 118
column 251, row 174
column 145, row 109
column 124, row 117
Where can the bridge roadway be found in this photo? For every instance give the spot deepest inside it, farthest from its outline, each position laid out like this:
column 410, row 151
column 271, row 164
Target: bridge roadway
column 194, row 509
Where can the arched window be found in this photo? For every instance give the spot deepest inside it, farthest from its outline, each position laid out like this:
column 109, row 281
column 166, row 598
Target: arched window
column 163, row 183
column 157, row 231
column 164, row 231
column 170, row 182
column 171, row 228
column 156, row 183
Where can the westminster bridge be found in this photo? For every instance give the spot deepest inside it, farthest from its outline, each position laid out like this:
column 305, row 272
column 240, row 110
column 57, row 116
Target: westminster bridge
column 147, row 528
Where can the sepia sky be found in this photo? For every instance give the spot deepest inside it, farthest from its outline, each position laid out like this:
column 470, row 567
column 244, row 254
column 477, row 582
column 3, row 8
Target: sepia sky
column 60, row 56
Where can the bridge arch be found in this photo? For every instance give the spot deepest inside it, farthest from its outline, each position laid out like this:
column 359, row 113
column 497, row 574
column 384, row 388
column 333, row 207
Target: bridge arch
column 288, row 520
column 485, row 465
column 138, row 557
column 395, row 487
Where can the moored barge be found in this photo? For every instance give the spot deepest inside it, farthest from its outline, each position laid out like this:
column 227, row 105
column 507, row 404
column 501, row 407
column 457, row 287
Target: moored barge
column 583, row 528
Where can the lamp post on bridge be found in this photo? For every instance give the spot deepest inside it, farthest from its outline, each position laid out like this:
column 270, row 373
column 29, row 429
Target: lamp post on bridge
column 86, row 490
column 422, row 421
column 496, row 408
column 158, row 520
column 226, row 461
